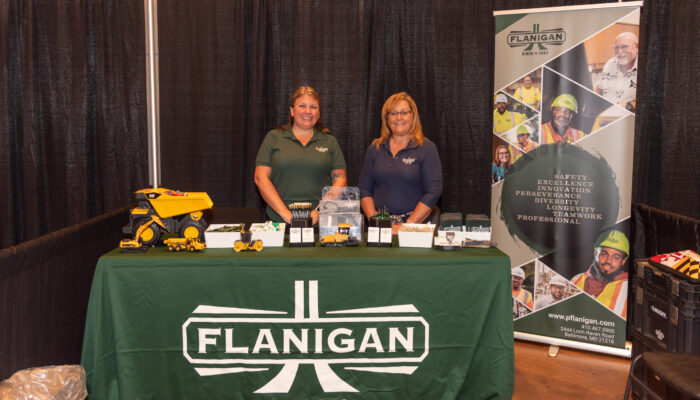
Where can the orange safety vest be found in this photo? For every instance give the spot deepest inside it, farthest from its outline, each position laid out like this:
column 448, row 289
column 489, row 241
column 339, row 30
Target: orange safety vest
column 516, row 153
column 524, row 297
column 551, row 136
column 613, row 296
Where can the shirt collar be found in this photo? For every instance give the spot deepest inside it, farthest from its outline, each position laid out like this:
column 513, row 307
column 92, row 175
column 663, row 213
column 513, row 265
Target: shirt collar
column 289, row 134
column 411, row 145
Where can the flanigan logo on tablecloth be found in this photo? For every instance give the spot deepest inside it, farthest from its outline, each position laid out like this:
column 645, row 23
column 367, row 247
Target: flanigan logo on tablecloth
column 364, row 339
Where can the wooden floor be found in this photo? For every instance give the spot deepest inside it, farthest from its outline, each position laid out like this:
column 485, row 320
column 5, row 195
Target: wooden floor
column 573, row 374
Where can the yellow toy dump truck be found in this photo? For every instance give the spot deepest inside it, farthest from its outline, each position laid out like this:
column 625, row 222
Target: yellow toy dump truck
column 163, row 210
column 246, row 242
column 189, row 244
column 340, row 238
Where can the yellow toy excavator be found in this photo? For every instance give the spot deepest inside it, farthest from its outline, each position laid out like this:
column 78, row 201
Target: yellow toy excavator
column 144, row 230
column 163, row 210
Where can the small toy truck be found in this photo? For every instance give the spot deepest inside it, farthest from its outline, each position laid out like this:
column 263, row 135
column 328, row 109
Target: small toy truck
column 189, row 244
column 340, row 238
column 246, row 242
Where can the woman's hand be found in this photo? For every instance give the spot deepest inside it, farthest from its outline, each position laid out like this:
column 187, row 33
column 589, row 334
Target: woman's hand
column 286, row 216
column 420, row 213
column 367, row 204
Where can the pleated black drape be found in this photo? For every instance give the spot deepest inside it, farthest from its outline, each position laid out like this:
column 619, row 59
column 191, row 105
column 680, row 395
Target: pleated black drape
column 74, row 119
column 667, row 135
column 72, row 112
column 228, row 69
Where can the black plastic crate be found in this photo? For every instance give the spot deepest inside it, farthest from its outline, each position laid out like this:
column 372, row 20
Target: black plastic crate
column 637, row 305
column 641, row 344
column 658, row 279
column 675, row 327
column 669, row 319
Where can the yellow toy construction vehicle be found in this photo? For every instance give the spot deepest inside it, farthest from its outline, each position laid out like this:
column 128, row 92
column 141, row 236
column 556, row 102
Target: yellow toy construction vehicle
column 189, row 244
column 340, row 238
column 246, row 242
column 136, row 244
column 128, row 245
column 162, row 210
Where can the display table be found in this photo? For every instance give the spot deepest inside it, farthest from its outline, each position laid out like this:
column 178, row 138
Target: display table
column 301, row 323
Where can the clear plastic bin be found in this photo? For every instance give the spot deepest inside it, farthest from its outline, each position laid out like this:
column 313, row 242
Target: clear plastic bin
column 340, row 206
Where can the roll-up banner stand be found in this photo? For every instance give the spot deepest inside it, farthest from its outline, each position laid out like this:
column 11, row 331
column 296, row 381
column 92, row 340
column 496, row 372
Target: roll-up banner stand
column 564, row 104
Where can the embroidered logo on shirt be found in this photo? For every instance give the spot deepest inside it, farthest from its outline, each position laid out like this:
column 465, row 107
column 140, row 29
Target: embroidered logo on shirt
column 408, row 161
column 321, row 149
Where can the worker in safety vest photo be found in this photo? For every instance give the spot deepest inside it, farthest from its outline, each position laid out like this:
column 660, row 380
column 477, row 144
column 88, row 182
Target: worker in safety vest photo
column 559, row 130
column 606, row 278
column 525, row 145
column 504, row 120
column 519, row 293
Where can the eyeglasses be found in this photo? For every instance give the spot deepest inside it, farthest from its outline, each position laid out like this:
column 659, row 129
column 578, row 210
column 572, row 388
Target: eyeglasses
column 616, row 257
column 403, row 113
column 500, row 153
column 623, row 47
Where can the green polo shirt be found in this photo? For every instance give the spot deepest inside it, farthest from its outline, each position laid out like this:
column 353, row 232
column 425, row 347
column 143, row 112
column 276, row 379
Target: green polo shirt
column 299, row 173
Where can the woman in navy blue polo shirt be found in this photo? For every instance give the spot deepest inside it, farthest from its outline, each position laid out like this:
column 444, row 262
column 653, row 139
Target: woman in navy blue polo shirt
column 402, row 169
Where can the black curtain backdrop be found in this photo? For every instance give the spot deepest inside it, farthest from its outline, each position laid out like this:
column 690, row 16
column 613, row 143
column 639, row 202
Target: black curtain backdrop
column 73, row 141
column 74, row 101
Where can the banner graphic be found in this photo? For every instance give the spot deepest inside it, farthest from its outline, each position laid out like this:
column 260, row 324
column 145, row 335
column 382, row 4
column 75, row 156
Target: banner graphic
column 564, row 98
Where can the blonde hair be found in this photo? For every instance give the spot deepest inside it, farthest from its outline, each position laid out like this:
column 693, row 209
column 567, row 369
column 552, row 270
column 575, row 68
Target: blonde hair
column 302, row 90
column 416, row 128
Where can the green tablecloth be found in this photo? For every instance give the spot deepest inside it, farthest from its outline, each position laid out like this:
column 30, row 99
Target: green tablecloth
column 301, row 323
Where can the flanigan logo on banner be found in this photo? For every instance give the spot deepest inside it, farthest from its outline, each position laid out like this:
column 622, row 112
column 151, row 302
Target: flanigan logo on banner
column 395, row 335
column 552, row 37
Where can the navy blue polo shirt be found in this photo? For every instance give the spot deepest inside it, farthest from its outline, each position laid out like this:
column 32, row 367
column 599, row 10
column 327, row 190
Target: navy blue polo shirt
column 399, row 183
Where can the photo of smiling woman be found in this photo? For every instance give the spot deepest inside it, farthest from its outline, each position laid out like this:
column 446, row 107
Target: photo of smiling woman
column 402, row 169
column 501, row 162
column 298, row 159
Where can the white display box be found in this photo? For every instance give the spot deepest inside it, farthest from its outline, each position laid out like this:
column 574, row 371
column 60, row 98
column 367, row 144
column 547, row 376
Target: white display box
column 483, row 235
column 408, row 238
column 224, row 240
column 269, row 238
column 458, row 234
column 221, row 240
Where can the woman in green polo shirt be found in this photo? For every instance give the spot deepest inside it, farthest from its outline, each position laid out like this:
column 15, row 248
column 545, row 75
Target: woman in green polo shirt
column 298, row 159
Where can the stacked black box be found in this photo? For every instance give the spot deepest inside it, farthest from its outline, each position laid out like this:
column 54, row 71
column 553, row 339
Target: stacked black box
column 666, row 310
column 666, row 317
